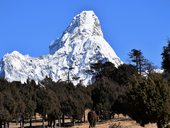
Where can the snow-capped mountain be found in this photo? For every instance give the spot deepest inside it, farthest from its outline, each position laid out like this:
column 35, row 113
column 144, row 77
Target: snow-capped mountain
column 81, row 45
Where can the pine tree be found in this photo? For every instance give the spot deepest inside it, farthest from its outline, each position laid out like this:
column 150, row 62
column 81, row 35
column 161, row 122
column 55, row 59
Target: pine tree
column 137, row 57
column 104, row 94
column 123, row 73
column 142, row 64
column 149, row 100
column 166, row 58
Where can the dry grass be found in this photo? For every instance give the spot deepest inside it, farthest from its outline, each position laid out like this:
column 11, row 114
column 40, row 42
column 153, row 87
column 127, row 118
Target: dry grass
column 123, row 122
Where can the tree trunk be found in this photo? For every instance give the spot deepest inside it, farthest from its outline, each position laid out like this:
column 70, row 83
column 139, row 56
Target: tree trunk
column 59, row 121
column 63, row 120
column 4, row 124
column 7, row 124
column 140, row 68
column 73, row 121
column 35, row 115
column 22, row 121
column 84, row 116
column 43, row 125
column 30, row 121
column 159, row 125
column 55, row 124
column 22, row 124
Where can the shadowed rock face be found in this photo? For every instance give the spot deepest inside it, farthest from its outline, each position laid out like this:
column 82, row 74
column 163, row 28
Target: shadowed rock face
column 92, row 118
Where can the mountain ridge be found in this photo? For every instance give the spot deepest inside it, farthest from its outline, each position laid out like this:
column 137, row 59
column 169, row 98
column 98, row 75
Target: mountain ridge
column 81, row 45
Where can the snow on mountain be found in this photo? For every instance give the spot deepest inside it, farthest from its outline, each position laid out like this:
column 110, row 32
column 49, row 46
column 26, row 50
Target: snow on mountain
column 158, row 70
column 81, row 45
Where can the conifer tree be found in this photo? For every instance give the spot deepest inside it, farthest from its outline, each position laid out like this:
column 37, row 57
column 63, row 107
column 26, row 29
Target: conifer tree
column 149, row 100
column 137, row 57
column 142, row 64
column 123, row 73
column 104, row 94
column 166, row 58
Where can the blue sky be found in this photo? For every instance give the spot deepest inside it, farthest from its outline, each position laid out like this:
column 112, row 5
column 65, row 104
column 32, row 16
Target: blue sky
column 29, row 26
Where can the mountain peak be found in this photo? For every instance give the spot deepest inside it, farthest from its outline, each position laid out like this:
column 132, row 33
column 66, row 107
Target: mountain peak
column 85, row 23
column 81, row 45
column 83, row 26
column 14, row 53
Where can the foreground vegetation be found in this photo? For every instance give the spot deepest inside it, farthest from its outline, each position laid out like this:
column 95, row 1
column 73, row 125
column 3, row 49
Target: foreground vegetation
column 143, row 97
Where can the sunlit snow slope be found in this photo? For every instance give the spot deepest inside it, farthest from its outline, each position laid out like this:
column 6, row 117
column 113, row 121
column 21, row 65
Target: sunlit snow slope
column 81, row 45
